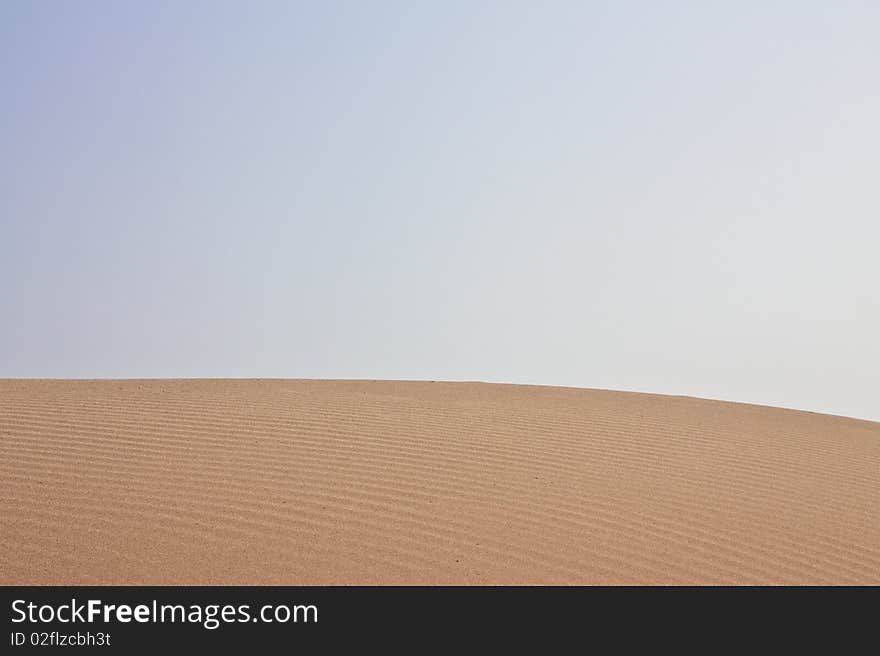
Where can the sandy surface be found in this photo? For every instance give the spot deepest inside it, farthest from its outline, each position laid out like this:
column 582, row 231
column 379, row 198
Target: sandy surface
column 344, row 482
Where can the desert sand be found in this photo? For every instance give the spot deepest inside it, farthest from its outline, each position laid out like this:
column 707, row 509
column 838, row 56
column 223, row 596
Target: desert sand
column 301, row 482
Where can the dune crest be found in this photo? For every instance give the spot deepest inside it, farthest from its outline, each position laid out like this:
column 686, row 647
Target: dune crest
column 357, row 482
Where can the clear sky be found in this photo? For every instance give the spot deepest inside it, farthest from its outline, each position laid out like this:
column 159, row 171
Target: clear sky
column 672, row 197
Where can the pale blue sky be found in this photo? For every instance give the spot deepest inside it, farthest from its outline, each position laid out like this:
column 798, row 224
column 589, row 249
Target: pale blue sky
column 675, row 197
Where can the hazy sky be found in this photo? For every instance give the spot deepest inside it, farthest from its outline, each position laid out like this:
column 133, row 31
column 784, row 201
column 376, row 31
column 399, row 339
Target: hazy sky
column 673, row 197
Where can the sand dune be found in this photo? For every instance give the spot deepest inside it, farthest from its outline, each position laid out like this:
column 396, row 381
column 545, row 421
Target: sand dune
column 354, row 482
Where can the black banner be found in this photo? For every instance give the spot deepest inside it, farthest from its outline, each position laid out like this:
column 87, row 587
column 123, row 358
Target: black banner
column 128, row 619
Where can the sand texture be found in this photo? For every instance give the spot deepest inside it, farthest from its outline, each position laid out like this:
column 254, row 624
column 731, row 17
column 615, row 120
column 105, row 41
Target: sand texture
column 360, row 482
